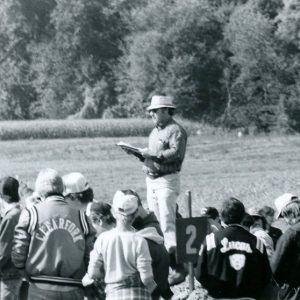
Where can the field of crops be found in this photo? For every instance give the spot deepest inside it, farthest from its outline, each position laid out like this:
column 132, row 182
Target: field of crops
column 253, row 169
column 53, row 129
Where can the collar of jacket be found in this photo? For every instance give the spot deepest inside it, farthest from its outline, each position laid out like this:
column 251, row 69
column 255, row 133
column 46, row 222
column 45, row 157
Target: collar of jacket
column 57, row 197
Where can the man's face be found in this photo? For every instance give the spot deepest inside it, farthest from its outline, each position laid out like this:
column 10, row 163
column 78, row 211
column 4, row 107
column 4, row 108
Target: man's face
column 159, row 116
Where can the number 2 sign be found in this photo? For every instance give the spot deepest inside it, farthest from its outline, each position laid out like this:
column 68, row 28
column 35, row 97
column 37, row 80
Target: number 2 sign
column 190, row 233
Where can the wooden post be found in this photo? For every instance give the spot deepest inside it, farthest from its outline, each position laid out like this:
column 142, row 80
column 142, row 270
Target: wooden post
column 190, row 264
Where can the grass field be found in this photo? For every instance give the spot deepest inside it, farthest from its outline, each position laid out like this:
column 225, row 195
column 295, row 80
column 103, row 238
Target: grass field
column 253, row 169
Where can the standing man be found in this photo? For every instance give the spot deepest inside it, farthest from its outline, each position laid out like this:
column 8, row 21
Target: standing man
column 162, row 163
column 52, row 242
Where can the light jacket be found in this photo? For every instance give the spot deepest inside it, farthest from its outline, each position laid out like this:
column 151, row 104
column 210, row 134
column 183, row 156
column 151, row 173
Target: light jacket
column 52, row 242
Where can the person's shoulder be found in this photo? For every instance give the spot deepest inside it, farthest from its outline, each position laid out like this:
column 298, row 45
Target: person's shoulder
column 174, row 127
column 237, row 232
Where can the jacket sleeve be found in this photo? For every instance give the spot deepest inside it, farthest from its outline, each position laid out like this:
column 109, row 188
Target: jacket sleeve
column 201, row 268
column 280, row 261
column 90, row 238
column 176, row 150
column 21, row 241
column 144, row 265
column 95, row 267
column 6, row 232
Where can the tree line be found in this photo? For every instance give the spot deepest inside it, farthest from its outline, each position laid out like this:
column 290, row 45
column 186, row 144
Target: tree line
column 226, row 62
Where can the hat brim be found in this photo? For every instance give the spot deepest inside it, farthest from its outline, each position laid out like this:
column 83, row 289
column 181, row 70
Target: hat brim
column 159, row 106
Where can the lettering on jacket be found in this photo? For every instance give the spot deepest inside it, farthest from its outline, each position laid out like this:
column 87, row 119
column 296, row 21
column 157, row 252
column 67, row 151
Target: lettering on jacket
column 234, row 245
column 58, row 224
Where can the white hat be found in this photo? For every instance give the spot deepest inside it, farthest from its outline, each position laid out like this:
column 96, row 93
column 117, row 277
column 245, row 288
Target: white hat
column 75, row 183
column 282, row 201
column 124, row 204
column 48, row 181
column 161, row 101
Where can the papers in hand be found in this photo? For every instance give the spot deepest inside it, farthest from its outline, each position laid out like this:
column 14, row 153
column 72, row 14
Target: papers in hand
column 131, row 150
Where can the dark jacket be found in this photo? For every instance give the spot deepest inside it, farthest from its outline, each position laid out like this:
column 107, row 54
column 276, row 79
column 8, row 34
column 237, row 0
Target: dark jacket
column 149, row 221
column 275, row 234
column 233, row 263
column 7, row 228
column 159, row 255
column 285, row 263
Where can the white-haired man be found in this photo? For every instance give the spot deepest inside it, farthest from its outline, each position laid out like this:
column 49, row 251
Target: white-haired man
column 162, row 163
column 52, row 242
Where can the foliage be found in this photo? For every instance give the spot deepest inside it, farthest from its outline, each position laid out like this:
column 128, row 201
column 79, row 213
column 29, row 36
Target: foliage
column 223, row 61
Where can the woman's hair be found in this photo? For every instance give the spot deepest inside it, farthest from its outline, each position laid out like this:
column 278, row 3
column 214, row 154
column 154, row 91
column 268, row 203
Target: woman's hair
column 247, row 221
column 263, row 220
column 101, row 211
column 84, row 197
column 210, row 212
column 267, row 211
column 292, row 210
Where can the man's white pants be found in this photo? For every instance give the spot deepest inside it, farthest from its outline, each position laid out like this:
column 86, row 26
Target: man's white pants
column 162, row 193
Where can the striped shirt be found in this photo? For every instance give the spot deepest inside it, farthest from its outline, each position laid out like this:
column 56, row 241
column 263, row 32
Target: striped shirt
column 168, row 145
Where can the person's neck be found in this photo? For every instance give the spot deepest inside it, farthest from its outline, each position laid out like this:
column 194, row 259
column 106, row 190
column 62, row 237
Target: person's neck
column 123, row 227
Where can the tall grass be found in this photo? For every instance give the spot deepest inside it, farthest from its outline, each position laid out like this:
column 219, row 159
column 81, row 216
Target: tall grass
column 52, row 129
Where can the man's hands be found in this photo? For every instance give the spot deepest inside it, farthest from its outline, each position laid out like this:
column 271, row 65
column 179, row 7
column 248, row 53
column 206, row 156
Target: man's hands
column 145, row 152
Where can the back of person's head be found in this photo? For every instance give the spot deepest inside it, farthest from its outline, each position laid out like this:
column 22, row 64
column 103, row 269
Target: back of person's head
column 28, row 196
column 259, row 219
column 267, row 211
column 210, row 212
column 232, row 211
column 48, row 183
column 101, row 211
column 247, row 221
column 24, row 190
column 76, row 187
column 9, row 189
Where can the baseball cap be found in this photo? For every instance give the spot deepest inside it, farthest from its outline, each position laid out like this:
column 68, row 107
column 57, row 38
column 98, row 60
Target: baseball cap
column 124, row 204
column 282, row 201
column 9, row 189
column 75, row 183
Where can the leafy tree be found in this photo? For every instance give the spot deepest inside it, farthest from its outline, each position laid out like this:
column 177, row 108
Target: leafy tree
column 256, row 87
column 288, row 22
column 175, row 49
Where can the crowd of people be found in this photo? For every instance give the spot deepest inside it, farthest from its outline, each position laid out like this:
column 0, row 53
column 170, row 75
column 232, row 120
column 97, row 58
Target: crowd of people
column 58, row 242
